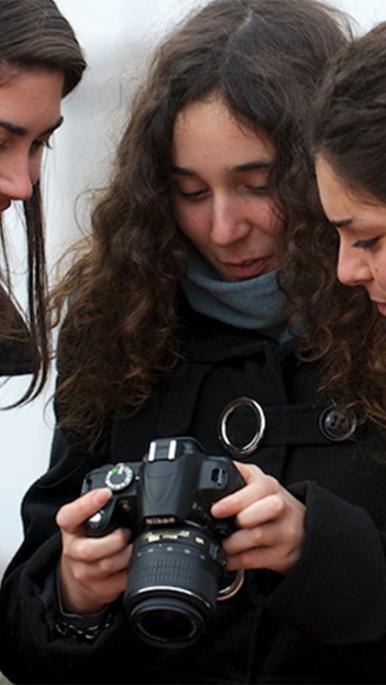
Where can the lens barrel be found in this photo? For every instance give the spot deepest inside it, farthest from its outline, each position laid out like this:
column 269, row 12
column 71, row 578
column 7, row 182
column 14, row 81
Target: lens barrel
column 173, row 585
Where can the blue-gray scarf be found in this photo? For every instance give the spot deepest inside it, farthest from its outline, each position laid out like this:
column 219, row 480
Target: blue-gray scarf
column 257, row 303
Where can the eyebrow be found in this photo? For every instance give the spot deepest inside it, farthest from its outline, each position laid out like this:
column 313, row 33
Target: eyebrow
column 257, row 165
column 341, row 223
column 21, row 131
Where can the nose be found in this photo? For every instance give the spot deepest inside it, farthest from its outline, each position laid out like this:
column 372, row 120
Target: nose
column 17, row 178
column 228, row 223
column 353, row 267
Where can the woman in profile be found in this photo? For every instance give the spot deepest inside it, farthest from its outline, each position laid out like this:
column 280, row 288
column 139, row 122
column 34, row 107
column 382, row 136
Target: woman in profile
column 40, row 62
column 350, row 150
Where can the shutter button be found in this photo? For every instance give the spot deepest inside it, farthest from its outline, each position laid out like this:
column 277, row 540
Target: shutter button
column 337, row 425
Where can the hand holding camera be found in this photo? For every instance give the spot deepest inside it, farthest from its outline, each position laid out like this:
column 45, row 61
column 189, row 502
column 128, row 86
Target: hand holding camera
column 185, row 512
column 177, row 565
column 270, row 523
column 92, row 572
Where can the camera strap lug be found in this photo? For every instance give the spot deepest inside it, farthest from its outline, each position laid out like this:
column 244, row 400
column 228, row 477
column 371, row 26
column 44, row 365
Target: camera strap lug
column 232, row 589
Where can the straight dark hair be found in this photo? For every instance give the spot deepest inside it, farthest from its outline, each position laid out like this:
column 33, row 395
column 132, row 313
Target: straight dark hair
column 34, row 34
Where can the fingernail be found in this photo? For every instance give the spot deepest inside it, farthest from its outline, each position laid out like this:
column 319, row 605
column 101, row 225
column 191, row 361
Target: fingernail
column 102, row 496
column 217, row 509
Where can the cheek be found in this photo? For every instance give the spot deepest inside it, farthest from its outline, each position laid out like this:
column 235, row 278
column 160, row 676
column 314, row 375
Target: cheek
column 268, row 218
column 379, row 269
column 192, row 220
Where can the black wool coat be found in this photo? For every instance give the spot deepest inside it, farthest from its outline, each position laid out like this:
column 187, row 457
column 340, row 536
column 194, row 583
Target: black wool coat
column 16, row 356
column 324, row 622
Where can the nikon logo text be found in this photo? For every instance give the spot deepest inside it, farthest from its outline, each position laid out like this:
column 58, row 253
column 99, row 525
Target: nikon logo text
column 160, row 520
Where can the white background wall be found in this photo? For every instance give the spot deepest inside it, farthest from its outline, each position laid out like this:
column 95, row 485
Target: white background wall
column 117, row 37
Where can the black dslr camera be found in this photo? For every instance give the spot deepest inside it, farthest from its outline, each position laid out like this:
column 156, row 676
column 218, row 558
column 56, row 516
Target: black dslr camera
column 177, row 565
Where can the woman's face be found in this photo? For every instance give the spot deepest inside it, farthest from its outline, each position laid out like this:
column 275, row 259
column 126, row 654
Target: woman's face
column 219, row 190
column 361, row 224
column 29, row 113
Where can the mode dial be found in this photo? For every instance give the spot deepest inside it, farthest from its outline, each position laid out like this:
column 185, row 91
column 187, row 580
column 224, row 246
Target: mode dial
column 119, row 477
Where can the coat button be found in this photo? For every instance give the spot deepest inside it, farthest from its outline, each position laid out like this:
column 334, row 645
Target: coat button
column 337, row 425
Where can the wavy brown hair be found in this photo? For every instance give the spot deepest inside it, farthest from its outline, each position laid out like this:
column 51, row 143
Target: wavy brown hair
column 265, row 59
column 346, row 333
column 33, row 33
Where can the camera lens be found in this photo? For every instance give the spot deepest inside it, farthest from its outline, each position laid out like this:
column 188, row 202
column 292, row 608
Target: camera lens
column 164, row 619
column 173, row 585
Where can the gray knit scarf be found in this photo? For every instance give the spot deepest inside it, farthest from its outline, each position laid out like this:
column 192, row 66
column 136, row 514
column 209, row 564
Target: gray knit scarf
column 256, row 304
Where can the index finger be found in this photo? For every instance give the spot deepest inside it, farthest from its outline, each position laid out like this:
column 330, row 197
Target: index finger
column 248, row 471
column 258, row 485
column 71, row 516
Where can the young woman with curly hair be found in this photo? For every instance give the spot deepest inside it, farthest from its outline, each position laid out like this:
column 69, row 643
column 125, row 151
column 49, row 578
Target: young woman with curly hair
column 178, row 327
column 40, row 62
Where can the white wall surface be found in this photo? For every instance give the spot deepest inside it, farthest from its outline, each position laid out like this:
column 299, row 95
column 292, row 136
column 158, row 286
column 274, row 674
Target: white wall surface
column 117, row 37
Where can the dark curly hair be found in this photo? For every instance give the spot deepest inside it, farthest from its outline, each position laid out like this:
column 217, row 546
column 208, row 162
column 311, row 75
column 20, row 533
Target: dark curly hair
column 346, row 333
column 33, row 33
column 265, row 59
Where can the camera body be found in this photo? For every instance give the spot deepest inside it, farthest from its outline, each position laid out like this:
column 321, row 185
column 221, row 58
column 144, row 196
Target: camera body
column 177, row 564
column 173, row 484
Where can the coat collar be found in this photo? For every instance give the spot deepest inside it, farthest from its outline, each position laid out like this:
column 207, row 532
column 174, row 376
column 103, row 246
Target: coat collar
column 206, row 340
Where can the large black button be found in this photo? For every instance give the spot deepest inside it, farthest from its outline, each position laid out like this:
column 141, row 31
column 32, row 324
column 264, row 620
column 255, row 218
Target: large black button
column 337, row 425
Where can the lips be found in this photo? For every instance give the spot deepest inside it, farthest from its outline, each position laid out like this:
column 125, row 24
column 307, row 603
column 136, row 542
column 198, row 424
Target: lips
column 245, row 263
column 246, row 268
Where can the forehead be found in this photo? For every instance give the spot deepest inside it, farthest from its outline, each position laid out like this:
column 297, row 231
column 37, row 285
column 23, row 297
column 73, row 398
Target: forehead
column 208, row 130
column 30, row 97
column 15, row 77
column 341, row 202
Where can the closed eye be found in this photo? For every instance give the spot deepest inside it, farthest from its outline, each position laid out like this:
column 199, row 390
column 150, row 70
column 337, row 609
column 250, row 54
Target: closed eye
column 41, row 143
column 257, row 190
column 193, row 194
column 366, row 244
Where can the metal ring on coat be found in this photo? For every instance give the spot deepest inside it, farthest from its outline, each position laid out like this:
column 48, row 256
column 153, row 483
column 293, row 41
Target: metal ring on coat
column 249, row 447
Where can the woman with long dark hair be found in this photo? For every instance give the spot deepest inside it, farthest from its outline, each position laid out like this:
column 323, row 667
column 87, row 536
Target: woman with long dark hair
column 40, row 62
column 179, row 330
column 350, row 151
